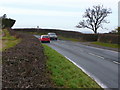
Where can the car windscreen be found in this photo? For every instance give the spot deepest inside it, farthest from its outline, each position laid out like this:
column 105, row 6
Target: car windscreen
column 45, row 37
column 52, row 34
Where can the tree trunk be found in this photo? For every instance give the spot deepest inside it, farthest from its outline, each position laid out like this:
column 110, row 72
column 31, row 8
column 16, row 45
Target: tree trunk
column 95, row 31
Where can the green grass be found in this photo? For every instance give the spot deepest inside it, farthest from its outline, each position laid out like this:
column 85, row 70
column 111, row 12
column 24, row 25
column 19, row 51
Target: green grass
column 7, row 35
column 8, row 41
column 64, row 73
column 0, row 31
column 107, row 44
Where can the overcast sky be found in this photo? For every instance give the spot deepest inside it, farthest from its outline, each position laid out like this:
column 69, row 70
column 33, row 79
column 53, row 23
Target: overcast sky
column 57, row 14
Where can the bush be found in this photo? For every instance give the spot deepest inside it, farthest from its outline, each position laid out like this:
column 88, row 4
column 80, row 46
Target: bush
column 108, row 38
column 89, row 37
column 7, row 23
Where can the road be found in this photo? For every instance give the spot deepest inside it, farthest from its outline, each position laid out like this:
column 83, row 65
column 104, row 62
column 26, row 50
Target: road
column 99, row 64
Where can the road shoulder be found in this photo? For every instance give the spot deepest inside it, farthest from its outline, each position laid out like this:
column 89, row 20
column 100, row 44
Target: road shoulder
column 98, row 46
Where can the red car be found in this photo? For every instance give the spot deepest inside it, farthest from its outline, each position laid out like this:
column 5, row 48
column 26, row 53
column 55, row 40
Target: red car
column 45, row 38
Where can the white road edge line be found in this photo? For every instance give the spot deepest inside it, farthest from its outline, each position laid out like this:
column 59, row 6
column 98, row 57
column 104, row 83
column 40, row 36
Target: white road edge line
column 116, row 62
column 96, row 55
column 90, row 75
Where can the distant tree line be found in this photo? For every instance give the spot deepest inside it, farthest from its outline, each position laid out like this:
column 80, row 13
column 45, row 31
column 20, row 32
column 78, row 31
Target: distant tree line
column 116, row 31
column 6, row 22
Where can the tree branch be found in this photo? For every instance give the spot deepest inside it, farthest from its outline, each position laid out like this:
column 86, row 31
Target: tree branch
column 94, row 18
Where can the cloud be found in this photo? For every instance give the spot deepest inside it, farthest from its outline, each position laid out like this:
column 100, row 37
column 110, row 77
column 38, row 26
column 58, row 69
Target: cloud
column 19, row 11
column 51, row 7
column 119, row 14
column 57, row 8
column 62, row 3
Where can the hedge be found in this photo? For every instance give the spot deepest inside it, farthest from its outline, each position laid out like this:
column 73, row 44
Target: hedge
column 108, row 38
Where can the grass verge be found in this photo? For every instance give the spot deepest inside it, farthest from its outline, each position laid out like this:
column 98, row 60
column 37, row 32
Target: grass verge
column 106, row 44
column 8, row 41
column 64, row 73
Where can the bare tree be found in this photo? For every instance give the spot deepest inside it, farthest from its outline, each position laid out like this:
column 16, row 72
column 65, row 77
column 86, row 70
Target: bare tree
column 94, row 18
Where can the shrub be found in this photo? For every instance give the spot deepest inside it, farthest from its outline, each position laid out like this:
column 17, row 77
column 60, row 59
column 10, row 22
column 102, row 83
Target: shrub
column 89, row 37
column 108, row 38
column 7, row 23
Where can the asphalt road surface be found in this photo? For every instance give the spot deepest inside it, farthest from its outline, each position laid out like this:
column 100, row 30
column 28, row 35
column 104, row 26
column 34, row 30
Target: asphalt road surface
column 99, row 64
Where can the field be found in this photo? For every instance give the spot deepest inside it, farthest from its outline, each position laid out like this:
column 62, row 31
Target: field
column 24, row 65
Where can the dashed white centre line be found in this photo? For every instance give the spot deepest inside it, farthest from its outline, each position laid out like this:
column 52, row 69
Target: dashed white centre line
column 116, row 62
column 96, row 55
column 102, row 57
